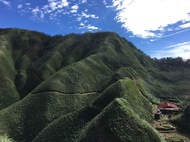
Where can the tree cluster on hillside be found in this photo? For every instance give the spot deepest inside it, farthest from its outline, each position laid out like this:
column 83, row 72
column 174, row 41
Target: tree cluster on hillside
column 170, row 63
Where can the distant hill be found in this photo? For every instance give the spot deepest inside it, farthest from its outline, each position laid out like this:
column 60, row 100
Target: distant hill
column 83, row 87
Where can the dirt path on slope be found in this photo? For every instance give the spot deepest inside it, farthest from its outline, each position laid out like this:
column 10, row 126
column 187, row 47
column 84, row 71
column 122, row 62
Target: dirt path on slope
column 166, row 129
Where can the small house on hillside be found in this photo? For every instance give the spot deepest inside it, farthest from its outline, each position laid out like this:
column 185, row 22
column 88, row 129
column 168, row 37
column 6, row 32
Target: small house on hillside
column 168, row 108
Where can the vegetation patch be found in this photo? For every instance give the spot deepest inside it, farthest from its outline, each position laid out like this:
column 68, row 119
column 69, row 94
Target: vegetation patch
column 84, row 87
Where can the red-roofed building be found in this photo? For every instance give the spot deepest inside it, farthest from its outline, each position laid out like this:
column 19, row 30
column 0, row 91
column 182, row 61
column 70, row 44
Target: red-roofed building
column 168, row 108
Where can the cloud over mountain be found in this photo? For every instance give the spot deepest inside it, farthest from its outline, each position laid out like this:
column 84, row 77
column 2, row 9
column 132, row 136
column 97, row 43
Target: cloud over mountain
column 177, row 50
column 149, row 18
column 144, row 22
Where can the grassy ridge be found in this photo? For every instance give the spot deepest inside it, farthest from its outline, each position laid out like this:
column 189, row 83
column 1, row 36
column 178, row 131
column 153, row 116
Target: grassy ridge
column 117, row 122
column 68, row 128
column 124, row 124
column 80, row 87
column 127, row 89
column 89, row 73
column 25, row 119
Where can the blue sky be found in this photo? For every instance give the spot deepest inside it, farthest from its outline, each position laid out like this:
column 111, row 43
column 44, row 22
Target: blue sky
column 160, row 28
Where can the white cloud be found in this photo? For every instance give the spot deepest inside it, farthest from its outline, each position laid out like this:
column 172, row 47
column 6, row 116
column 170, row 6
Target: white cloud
column 79, row 18
column 53, row 9
column 87, row 27
column 84, row 1
column 148, row 18
column 175, row 33
column 90, row 27
column 73, row 11
column 36, row 10
column 94, row 16
column 27, row 4
column 186, row 25
column 75, row 7
column 105, row 2
column 84, row 14
column 63, row 3
column 38, row 14
column 19, row 6
column 81, row 24
column 178, row 50
column 57, row 10
column 89, row 15
column 54, row 5
column 5, row 2
column 179, row 45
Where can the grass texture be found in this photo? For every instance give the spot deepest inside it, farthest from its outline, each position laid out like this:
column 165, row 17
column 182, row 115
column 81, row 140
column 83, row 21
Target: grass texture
column 81, row 87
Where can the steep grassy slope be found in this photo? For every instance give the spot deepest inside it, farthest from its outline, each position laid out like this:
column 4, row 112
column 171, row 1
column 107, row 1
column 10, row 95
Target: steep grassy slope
column 88, row 87
column 116, row 123
column 26, row 118
column 8, row 91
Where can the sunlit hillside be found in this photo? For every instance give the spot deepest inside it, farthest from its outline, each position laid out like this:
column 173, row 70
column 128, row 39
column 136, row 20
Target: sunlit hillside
column 83, row 87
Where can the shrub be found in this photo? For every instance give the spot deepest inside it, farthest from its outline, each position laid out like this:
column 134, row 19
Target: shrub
column 4, row 138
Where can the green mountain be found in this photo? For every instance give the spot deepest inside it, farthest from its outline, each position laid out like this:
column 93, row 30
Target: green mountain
column 83, row 87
